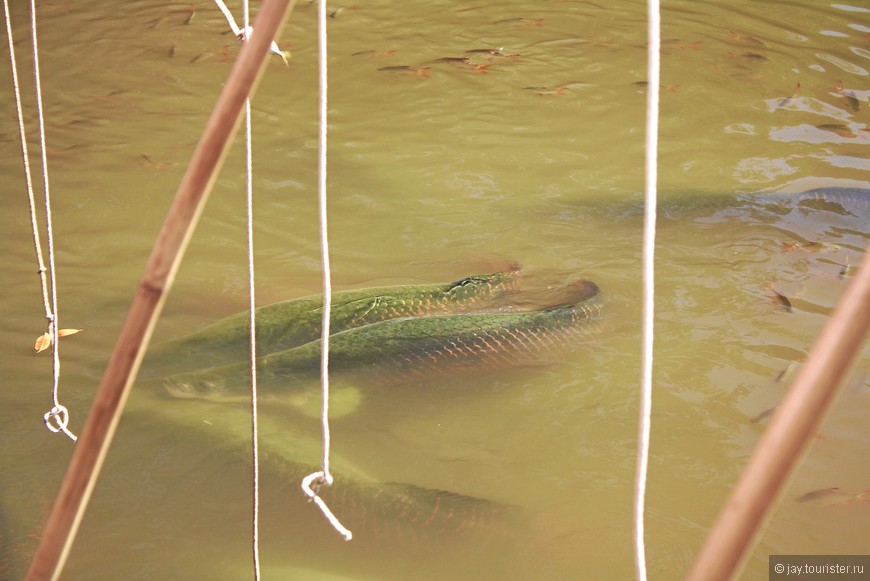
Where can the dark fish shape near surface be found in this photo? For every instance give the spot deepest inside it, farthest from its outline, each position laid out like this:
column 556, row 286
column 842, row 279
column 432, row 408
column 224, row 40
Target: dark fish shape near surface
column 414, row 348
column 404, row 514
column 854, row 201
column 394, row 514
column 288, row 324
column 834, row 496
column 845, row 201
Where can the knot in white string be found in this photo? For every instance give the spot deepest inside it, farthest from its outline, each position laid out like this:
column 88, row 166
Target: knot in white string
column 318, row 479
column 60, row 415
column 246, row 33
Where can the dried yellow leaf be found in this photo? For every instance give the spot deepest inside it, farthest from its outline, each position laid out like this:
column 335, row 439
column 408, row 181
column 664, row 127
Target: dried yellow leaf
column 43, row 343
column 65, row 332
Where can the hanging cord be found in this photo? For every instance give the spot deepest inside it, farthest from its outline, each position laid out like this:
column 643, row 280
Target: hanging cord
column 649, row 240
column 255, row 453
column 324, row 476
column 244, row 34
column 255, row 456
column 57, row 418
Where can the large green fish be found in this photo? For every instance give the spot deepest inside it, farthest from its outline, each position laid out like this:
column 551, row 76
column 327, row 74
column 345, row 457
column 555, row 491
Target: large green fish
column 402, row 516
column 291, row 323
column 854, row 202
column 413, row 347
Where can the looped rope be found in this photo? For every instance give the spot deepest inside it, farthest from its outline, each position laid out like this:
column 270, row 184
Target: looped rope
column 59, row 414
column 318, row 479
column 49, row 293
column 324, row 476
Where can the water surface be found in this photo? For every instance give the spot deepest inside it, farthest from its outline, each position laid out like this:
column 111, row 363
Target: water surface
column 440, row 170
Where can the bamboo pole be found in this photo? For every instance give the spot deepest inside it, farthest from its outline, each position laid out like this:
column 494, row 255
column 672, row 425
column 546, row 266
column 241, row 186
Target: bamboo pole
column 92, row 446
column 788, row 435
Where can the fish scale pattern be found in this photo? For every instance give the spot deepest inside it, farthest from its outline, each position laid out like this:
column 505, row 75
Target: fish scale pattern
column 415, row 347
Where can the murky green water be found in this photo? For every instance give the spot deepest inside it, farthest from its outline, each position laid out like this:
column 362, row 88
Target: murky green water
column 438, row 171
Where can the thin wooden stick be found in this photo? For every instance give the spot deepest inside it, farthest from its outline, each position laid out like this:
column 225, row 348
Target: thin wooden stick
column 91, row 449
column 788, row 435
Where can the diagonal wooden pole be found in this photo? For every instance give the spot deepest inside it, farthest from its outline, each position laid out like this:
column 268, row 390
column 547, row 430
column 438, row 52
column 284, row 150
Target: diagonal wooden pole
column 788, row 435
column 92, row 446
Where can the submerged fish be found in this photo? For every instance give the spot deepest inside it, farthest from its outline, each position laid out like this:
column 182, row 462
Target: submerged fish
column 846, row 201
column 790, row 99
column 837, row 128
column 492, row 51
column 832, row 496
column 462, row 60
column 848, row 97
column 406, row 70
column 394, row 514
column 781, row 299
column 288, row 324
column 413, row 347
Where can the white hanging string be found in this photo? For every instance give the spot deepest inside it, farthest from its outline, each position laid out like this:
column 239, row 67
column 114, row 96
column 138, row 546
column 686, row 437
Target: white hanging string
column 252, row 300
column 324, row 476
column 57, row 418
column 249, row 203
column 245, row 33
column 649, row 237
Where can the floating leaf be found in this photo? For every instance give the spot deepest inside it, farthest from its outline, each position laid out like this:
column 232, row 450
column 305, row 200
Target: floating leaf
column 65, row 332
column 43, row 343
